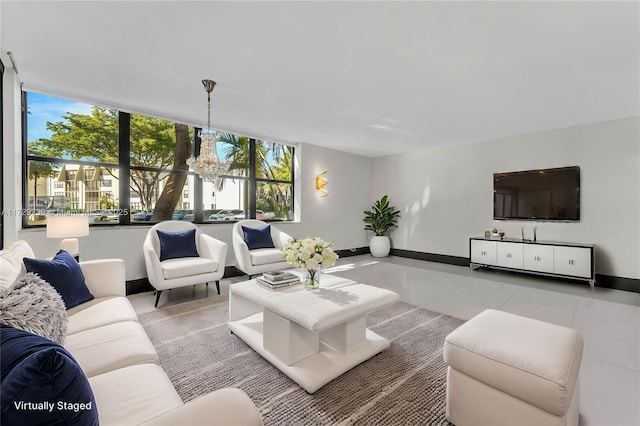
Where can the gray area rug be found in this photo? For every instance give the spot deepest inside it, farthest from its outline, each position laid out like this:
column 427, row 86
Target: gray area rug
column 403, row 385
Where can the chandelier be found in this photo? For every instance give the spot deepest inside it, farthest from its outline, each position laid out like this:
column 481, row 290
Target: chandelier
column 207, row 165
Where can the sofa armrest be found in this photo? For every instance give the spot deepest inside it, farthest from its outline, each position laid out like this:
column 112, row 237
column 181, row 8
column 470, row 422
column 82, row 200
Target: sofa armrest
column 228, row 406
column 105, row 277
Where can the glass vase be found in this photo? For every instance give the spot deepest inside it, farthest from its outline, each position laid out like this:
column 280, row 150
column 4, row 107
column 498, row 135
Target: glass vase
column 312, row 279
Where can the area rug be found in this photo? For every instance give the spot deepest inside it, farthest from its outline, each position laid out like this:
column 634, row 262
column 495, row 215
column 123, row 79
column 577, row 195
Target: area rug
column 403, row 385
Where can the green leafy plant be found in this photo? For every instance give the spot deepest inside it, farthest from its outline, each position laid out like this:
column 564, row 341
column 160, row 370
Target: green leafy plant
column 382, row 218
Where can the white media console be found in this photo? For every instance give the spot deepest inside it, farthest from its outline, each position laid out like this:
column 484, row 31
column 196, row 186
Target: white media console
column 566, row 260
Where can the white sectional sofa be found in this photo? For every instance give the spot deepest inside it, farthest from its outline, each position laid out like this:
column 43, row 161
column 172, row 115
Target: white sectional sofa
column 121, row 364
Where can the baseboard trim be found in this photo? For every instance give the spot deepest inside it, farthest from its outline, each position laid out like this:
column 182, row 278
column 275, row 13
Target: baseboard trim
column 431, row 257
column 142, row 285
column 604, row 281
column 618, row 283
column 353, row 252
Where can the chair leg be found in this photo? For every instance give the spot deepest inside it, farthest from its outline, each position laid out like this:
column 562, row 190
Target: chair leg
column 157, row 298
column 217, row 286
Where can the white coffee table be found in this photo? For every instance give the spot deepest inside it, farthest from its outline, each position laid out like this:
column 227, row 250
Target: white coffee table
column 311, row 336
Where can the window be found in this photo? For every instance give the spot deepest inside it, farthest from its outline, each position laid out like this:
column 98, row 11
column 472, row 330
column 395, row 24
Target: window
column 83, row 158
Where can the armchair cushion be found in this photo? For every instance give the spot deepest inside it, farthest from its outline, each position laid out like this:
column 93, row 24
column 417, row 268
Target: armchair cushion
column 35, row 371
column 64, row 274
column 266, row 256
column 258, row 238
column 186, row 267
column 177, row 244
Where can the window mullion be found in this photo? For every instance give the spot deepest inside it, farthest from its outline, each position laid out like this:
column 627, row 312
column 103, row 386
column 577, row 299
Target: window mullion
column 198, row 210
column 253, row 186
column 124, row 169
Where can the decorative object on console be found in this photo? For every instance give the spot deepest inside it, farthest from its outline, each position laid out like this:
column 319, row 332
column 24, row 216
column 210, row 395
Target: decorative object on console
column 381, row 219
column 321, row 183
column 207, row 164
column 68, row 227
column 32, row 304
column 65, row 275
column 310, row 254
column 529, row 233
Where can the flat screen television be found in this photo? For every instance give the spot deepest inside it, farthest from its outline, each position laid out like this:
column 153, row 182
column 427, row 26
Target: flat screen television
column 545, row 195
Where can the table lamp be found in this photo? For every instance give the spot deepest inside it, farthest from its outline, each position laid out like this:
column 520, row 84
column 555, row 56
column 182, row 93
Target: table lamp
column 68, row 227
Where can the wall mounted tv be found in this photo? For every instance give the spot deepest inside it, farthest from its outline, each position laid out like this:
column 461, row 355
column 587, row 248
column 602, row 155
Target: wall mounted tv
column 545, row 195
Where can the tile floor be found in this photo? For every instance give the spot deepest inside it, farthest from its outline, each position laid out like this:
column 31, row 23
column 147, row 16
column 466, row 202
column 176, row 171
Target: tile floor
column 609, row 320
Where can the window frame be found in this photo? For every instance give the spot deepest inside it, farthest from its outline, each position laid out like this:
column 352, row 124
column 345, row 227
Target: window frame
column 124, row 168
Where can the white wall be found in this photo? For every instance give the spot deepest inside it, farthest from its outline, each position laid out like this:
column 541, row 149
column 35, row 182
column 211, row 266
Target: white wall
column 336, row 218
column 445, row 195
column 12, row 153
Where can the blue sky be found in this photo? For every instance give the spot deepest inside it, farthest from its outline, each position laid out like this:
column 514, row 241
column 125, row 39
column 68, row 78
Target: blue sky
column 44, row 108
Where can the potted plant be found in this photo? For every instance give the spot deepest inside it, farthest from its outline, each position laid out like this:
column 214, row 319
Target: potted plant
column 381, row 219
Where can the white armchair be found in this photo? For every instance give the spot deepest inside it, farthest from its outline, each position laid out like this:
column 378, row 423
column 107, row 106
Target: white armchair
column 257, row 261
column 184, row 271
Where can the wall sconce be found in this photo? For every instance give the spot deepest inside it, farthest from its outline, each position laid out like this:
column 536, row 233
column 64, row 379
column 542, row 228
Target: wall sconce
column 68, row 227
column 320, row 184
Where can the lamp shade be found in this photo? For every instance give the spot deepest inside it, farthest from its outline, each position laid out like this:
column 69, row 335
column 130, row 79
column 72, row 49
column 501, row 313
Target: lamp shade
column 67, row 226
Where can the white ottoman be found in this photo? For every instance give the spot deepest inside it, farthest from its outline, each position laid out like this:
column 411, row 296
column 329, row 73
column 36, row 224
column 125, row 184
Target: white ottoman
column 504, row 369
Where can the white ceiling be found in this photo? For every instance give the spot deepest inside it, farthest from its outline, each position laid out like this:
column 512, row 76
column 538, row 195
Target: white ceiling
column 374, row 78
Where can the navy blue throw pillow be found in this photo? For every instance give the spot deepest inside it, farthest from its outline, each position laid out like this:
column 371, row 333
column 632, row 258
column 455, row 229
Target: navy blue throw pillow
column 175, row 245
column 257, row 238
column 64, row 274
column 42, row 384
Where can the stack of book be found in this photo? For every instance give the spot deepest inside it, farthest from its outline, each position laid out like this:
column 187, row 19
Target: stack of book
column 277, row 279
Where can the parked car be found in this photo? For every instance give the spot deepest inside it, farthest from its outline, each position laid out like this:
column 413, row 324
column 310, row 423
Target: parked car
column 260, row 215
column 139, row 216
column 180, row 214
column 226, row 214
column 206, row 213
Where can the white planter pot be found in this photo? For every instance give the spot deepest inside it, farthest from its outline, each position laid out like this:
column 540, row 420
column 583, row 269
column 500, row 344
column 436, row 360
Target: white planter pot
column 380, row 245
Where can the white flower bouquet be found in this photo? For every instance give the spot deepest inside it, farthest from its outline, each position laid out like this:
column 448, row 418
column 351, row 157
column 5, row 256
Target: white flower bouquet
column 310, row 253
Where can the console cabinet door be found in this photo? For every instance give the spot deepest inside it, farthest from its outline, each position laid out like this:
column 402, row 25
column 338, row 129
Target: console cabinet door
column 483, row 252
column 538, row 258
column 509, row 255
column 574, row 261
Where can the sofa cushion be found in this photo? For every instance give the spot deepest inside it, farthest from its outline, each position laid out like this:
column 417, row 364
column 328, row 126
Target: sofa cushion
column 258, row 238
column 131, row 395
column 98, row 312
column 35, row 372
column 64, row 274
column 264, row 256
column 178, row 268
column 110, row 347
column 33, row 305
column 11, row 266
column 178, row 244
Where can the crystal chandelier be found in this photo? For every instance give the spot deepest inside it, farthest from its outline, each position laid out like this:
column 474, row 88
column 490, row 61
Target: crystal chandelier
column 207, row 164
